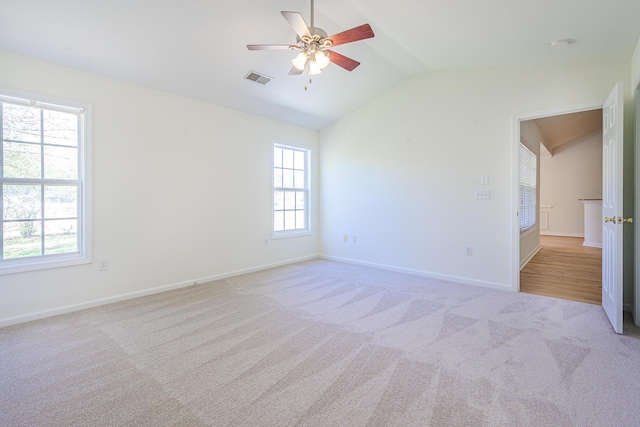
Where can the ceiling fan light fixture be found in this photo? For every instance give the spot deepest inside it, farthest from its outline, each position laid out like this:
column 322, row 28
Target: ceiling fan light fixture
column 314, row 67
column 300, row 61
column 321, row 59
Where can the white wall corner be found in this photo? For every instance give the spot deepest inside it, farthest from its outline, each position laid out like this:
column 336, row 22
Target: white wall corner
column 422, row 273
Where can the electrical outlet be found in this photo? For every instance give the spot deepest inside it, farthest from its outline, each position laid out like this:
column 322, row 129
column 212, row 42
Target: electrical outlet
column 345, row 238
column 468, row 251
column 482, row 194
column 354, row 239
column 103, row 265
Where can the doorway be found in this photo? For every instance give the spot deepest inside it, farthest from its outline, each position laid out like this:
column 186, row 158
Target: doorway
column 567, row 235
column 533, row 245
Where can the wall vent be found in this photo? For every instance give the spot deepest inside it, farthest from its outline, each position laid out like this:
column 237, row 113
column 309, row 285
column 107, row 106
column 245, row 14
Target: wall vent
column 258, row 78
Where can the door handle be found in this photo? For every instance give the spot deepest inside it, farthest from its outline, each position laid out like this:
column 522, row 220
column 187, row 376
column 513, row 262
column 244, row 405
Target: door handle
column 612, row 219
column 627, row 220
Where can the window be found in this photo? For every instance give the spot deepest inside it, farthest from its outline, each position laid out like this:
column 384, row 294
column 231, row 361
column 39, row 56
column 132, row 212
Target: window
column 290, row 190
column 44, row 188
column 528, row 163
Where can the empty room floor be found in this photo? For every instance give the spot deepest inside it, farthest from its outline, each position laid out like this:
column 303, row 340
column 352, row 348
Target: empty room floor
column 323, row 343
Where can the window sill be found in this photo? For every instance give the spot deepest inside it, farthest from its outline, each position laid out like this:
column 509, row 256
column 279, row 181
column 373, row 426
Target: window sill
column 528, row 231
column 25, row 266
column 293, row 233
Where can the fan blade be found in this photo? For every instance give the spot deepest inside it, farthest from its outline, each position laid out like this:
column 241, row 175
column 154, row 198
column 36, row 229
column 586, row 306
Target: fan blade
column 297, row 23
column 343, row 61
column 294, row 71
column 269, row 46
column 362, row 32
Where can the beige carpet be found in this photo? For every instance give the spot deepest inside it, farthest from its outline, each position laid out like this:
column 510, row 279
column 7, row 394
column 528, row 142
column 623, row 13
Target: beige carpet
column 323, row 343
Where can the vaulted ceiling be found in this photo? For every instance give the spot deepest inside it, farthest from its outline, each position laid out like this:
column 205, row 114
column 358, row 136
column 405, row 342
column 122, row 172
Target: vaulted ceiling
column 197, row 48
column 561, row 129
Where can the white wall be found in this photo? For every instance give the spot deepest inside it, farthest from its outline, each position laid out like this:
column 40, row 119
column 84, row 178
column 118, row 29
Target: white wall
column 531, row 137
column 182, row 191
column 574, row 172
column 400, row 172
column 172, row 176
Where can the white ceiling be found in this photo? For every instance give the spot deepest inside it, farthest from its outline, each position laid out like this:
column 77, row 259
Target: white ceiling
column 196, row 48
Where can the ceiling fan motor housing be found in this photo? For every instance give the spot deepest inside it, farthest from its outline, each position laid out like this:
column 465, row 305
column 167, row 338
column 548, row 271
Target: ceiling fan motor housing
column 318, row 36
column 316, row 31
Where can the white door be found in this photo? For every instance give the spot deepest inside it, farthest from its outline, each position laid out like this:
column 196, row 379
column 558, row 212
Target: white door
column 612, row 157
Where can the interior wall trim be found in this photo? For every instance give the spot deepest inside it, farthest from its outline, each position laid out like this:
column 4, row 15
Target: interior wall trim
column 145, row 292
column 524, row 263
column 423, row 273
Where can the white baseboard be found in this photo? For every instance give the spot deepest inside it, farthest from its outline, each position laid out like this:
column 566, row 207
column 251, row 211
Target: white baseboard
column 592, row 245
column 531, row 255
column 123, row 297
column 561, row 234
column 455, row 279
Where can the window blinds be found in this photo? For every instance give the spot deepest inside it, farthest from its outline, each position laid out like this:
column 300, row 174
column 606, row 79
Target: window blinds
column 527, row 188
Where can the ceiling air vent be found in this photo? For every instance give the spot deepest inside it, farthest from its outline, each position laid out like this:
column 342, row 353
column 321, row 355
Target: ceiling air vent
column 258, row 78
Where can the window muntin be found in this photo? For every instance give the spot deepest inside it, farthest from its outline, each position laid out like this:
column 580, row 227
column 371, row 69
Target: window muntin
column 528, row 178
column 290, row 190
column 42, row 183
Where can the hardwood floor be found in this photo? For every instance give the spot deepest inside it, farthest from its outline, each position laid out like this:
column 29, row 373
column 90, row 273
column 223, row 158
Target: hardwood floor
column 563, row 268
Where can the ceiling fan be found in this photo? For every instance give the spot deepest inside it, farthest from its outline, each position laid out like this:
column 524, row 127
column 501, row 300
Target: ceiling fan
column 313, row 45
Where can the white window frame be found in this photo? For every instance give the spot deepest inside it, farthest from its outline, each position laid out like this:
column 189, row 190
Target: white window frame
column 525, row 171
column 84, row 254
column 298, row 232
